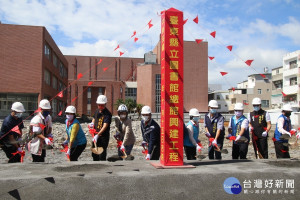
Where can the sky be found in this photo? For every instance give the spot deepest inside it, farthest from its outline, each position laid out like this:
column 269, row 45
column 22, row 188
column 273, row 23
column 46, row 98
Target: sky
column 260, row 30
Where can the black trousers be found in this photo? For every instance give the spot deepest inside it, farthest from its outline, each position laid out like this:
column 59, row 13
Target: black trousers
column 262, row 146
column 9, row 154
column 190, row 152
column 239, row 150
column 155, row 154
column 76, row 152
column 213, row 154
column 41, row 158
column 101, row 142
column 282, row 151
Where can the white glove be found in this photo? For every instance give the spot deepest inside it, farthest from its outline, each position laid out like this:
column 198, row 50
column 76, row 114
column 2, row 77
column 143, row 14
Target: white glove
column 264, row 134
column 214, row 142
column 48, row 142
column 298, row 136
column 68, row 152
column 207, row 134
column 91, row 125
column 198, row 148
column 148, row 157
column 95, row 139
column 19, row 149
column 238, row 138
column 122, row 148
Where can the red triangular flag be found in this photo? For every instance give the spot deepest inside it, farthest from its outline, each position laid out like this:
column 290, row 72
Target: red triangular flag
column 211, row 58
column 121, row 53
column 74, row 99
column 149, row 24
column 42, row 126
column 136, row 39
column 117, row 47
column 134, row 33
column 199, row 40
column 60, row 94
column 79, row 76
column 233, row 89
column 99, row 61
column 248, row 62
column 90, row 83
column 223, row 73
column 38, row 110
column 196, row 20
column 60, row 113
column 213, row 34
column 246, row 104
column 283, row 93
column 104, row 69
column 16, row 130
column 264, row 76
column 229, row 47
column 184, row 21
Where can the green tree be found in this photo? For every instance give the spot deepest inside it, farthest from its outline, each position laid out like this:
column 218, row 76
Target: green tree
column 119, row 102
column 131, row 104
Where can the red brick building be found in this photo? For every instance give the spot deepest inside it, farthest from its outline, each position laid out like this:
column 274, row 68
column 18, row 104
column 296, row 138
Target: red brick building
column 31, row 68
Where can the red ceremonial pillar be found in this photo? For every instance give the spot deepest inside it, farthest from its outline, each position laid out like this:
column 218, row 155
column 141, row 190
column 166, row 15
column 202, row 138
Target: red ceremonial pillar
column 172, row 118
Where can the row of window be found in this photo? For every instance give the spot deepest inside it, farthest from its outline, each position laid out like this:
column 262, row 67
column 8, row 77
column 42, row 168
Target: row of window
column 56, row 62
column 55, row 83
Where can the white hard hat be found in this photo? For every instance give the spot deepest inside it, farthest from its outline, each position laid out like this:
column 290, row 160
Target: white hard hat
column 194, row 112
column 238, row 106
column 256, row 101
column 287, row 107
column 213, row 104
column 122, row 108
column 101, row 99
column 71, row 109
column 146, row 110
column 18, row 107
column 45, row 104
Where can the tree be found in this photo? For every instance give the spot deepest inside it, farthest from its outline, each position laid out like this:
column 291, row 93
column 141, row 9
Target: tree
column 118, row 103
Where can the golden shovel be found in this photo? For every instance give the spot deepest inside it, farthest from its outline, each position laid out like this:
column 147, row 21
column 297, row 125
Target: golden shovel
column 96, row 150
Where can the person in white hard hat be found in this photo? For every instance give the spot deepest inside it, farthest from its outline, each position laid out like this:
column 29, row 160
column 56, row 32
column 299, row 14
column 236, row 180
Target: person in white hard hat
column 283, row 132
column 41, row 131
column 101, row 122
column 11, row 132
column 75, row 136
column 259, row 127
column 214, row 127
column 151, row 134
column 190, row 139
column 239, row 127
column 124, row 131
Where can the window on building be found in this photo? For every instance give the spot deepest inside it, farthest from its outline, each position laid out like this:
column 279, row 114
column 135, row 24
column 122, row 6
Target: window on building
column 101, row 91
column 55, row 60
column 265, row 103
column 268, row 90
column 277, row 71
column 227, row 97
column 277, row 84
column 47, row 51
column 258, row 91
column 293, row 64
column 233, row 100
column 47, row 77
column 61, row 69
column 157, row 92
column 60, row 86
column 293, row 81
column 219, row 106
column 218, row 97
column 54, row 82
column 65, row 73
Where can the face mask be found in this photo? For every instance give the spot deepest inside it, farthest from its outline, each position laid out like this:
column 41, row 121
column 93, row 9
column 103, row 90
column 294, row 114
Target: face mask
column 18, row 115
column 122, row 116
column 238, row 113
column 288, row 114
column 69, row 117
column 145, row 118
column 196, row 119
column 256, row 108
column 213, row 111
column 46, row 113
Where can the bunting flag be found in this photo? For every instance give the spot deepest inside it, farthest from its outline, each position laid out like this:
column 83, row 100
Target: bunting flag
column 74, row 99
column 121, row 53
column 104, row 69
column 248, row 62
column 184, row 22
column 42, row 126
column 60, row 113
column 16, row 130
column 99, row 61
column 211, row 58
column 233, row 89
column 117, row 47
column 223, row 73
column 134, row 33
column 196, row 20
column 283, row 93
column 149, row 24
column 90, row 83
column 213, row 34
column 229, row 48
column 246, row 104
column 60, row 94
column 136, row 39
column 199, row 40
column 262, row 75
column 79, row 76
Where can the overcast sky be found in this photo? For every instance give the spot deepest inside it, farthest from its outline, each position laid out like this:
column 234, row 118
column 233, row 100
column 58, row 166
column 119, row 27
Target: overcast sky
column 263, row 30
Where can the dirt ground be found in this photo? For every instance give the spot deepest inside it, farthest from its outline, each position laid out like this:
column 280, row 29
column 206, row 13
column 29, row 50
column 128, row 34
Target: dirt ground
column 55, row 156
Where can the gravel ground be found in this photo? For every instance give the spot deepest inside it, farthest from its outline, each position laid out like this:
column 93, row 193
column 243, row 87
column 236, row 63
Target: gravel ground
column 55, row 156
